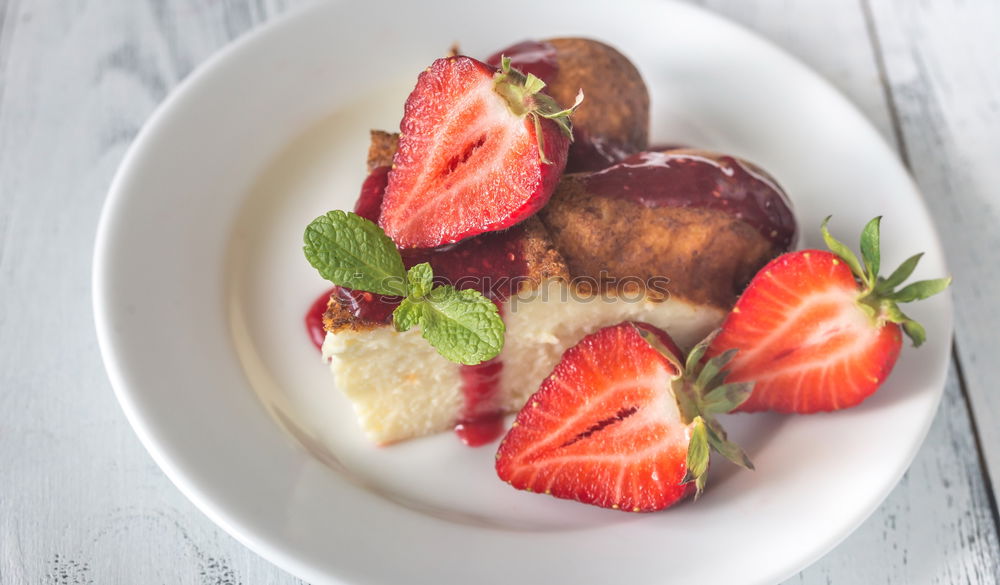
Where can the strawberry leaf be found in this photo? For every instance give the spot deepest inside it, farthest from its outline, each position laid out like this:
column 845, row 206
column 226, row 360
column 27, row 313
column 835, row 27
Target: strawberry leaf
column 726, row 398
column 920, row 290
column 697, row 456
column 723, row 446
column 712, row 373
column 532, row 84
column 900, row 274
column 549, row 109
column 843, row 251
column 658, row 345
column 348, row 250
column 870, row 248
column 697, row 352
column 915, row 331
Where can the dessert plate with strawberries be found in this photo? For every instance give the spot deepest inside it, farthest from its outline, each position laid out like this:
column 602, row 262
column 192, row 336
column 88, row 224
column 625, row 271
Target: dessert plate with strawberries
column 591, row 258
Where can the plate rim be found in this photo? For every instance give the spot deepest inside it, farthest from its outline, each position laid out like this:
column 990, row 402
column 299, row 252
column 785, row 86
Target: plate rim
column 260, row 543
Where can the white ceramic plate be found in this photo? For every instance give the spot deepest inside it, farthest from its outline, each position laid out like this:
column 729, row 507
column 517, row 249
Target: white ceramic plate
column 200, row 287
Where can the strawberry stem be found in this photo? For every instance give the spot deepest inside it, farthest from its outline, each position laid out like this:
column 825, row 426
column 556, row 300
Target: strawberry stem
column 701, row 394
column 524, row 97
column 878, row 297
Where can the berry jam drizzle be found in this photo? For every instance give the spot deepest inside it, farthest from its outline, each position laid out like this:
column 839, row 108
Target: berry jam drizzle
column 369, row 204
column 657, row 179
column 314, row 318
column 482, row 420
column 592, row 153
column 367, row 306
column 492, row 263
column 535, row 57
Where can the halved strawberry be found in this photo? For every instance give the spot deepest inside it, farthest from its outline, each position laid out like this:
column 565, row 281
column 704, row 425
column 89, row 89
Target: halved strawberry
column 480, row 149
column 819, row 331
column 622, row 423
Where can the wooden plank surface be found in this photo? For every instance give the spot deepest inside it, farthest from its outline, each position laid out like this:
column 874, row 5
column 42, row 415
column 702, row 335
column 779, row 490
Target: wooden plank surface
column 939, row 525
column 946, row 95
column 81, row 501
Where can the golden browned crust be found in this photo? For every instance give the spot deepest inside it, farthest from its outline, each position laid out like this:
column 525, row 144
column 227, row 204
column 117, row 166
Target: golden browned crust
column 707, row 255
column 383, row 146
column 542, row 257
column 339, row 318
column 616, row 103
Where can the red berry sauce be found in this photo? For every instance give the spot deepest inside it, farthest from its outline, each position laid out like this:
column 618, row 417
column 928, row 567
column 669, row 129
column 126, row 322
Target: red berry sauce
column 369, row 204
column 314, row 318
column 657, row 179
column 482, row 420
column 667, row 146
column 493, row 263
column 534, row 57
column 592, row 153
column 367, row 306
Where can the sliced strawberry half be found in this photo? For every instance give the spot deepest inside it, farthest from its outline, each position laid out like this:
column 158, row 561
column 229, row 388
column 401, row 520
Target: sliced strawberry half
column 820, row 331
column 622, row 423
column 480, row 149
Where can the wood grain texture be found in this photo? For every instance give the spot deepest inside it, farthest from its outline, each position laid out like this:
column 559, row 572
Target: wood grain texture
column 946, row 93
column 937, row 526
column 82, row 502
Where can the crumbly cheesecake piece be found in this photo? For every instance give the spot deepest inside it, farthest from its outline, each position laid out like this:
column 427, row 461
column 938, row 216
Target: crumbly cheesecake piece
column 402, row 388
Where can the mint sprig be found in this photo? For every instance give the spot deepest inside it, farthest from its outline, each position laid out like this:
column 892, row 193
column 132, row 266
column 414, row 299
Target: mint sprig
column 460, row 324
column 348, row 250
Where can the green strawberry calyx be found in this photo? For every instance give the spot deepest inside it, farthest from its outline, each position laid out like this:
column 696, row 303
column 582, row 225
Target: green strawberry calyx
column 702, row 393
column 879, row 297
column 524, row 96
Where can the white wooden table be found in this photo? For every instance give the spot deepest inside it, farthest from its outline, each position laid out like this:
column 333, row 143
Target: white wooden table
column 80, row 500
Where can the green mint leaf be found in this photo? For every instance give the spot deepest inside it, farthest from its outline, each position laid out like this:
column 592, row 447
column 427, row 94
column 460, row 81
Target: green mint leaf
column 421, row 280
column 841, row 250
column 348, row 250
column 870, row 248
column 921, row 290
column 463, row 325
column 408, row 314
